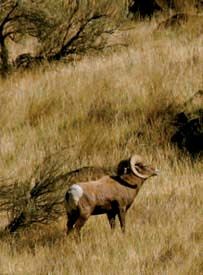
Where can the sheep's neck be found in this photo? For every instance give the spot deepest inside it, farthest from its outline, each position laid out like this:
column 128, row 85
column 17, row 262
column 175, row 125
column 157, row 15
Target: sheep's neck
column 129, row 181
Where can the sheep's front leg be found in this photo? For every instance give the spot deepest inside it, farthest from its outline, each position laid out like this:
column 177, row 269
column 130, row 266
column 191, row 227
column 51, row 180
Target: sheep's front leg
column 112, row 219
column 121, row 216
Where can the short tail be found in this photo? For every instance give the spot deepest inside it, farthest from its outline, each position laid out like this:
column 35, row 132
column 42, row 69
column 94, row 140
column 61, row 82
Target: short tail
column 72, row 197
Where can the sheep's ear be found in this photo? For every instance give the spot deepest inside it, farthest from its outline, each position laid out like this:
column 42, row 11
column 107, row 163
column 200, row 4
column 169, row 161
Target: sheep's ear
column 122, row 168
column 125, row 170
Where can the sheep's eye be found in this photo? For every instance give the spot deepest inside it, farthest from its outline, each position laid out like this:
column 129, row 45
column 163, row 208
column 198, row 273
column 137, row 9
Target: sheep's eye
column 141, row 165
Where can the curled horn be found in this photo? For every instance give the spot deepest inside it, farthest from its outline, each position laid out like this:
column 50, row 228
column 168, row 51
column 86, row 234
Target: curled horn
column 134, row 160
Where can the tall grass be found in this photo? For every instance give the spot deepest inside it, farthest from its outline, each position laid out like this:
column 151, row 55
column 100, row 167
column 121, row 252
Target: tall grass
column 96, row 112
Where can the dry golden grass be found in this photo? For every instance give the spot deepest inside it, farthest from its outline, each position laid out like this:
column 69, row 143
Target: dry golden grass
column 97, row 112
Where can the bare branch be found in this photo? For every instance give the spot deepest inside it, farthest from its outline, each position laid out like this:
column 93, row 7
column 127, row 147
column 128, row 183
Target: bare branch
column 6, row 18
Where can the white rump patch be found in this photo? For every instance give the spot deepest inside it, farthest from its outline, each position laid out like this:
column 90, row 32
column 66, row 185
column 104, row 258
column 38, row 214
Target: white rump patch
column 75, row 192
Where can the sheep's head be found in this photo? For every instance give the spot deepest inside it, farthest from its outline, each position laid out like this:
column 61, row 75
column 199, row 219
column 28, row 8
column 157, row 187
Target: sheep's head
column 141, row 169
column 137, row 166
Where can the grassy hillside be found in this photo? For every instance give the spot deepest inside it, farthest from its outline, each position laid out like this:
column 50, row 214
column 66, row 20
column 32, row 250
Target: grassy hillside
column 97, row 111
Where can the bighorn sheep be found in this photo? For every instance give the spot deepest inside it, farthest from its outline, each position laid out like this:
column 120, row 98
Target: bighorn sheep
column 111, row 195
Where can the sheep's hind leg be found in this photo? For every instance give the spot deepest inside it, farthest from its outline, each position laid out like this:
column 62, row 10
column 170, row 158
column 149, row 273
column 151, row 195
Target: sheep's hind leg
column 80, row 223
column 72, row 218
